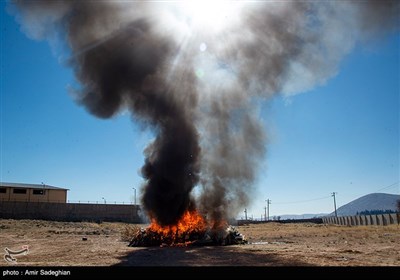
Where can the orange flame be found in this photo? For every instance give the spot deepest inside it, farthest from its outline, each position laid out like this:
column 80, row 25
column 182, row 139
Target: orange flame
column 190, row 223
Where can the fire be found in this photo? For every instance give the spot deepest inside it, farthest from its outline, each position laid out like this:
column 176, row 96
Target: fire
column 191, row 229
column 191, row 223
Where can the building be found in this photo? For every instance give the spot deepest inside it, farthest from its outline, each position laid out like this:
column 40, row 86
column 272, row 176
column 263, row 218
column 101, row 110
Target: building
column 32, row 193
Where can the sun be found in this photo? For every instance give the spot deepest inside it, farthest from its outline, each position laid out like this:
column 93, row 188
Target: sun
column 209, row 15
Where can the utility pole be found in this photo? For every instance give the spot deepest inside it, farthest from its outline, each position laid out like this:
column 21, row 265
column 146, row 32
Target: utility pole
column 135, row 195
column 265, row 213
column 245, row 214
column 268, row 203
column 334, row 202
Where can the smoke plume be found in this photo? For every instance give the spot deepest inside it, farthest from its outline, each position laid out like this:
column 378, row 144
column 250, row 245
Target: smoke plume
column 199, row 89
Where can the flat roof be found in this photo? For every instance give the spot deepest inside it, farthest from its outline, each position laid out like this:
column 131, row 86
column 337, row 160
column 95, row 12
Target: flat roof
column 31, row 186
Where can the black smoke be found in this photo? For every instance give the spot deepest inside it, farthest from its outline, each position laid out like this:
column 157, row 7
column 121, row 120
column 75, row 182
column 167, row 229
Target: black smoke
column 202, row 106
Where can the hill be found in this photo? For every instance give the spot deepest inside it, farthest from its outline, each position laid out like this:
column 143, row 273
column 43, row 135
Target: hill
column 370, row 202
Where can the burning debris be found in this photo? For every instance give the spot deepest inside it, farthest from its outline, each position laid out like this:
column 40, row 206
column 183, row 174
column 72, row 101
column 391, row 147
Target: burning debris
column 148, row 238
column 191, row 230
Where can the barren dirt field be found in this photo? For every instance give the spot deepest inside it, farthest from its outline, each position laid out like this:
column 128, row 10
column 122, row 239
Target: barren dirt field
column 272, row 244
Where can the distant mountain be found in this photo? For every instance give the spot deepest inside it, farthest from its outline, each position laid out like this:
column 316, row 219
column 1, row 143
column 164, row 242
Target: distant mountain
column 373, row 201
column 300, row 216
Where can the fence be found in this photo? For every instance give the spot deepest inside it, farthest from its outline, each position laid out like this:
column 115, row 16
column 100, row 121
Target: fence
column 365, row 220
column 100, row 202
column 288, row 221
column 69, row 211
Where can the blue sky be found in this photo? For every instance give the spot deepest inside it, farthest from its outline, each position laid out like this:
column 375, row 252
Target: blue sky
column 339, row 137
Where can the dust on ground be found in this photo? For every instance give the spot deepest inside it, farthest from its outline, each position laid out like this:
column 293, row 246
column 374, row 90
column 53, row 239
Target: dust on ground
column 269, row 244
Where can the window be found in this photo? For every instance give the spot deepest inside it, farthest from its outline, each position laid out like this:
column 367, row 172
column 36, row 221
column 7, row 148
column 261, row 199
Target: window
column 19, row 191
column 3, row 190
column 39, row 192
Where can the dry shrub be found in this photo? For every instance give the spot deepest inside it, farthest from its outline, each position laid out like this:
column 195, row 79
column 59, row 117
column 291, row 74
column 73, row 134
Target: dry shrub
column 129, row 232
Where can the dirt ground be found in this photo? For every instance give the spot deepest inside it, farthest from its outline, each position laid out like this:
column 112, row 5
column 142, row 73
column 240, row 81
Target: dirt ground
column 106, row 244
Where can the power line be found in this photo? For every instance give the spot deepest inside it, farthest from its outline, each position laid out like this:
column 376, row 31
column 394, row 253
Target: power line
column 325, row 197
column 302, row 201
column 388, row 187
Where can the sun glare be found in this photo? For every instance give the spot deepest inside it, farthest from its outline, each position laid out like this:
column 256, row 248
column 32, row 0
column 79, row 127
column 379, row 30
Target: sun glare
column 208, row 15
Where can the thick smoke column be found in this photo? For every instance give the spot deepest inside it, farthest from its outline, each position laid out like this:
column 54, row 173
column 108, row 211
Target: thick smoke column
column 202, row 105
column 121, row 62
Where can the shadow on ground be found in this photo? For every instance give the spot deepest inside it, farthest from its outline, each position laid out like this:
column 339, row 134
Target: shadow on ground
column 239, row 255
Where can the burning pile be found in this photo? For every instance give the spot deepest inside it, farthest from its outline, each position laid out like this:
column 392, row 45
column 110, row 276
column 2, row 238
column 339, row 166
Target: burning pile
column 191, row 229
column 198, row 94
